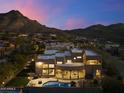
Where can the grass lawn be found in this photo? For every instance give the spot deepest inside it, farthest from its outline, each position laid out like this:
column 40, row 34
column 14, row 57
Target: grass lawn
column 18, row 82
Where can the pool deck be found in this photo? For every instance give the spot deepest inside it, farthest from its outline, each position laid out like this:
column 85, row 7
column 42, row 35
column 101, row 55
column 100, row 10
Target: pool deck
column 34, row 82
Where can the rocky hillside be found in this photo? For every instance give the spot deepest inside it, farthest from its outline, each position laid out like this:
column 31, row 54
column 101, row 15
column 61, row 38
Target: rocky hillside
column 15, row 21
column 114, row 32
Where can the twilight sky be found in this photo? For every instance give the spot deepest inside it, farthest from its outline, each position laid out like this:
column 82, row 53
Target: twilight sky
column 68, row 14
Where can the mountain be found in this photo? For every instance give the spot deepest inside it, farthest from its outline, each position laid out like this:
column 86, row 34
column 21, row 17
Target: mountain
column 114, row 32
column 16, row 22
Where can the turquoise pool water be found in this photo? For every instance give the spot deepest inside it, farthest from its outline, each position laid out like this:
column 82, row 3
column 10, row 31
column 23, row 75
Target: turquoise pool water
column 56, row 84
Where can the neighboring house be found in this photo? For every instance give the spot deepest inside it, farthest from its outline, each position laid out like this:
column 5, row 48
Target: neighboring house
column 112, row 48
column 23, row 35
column 6, row 48
column 53, row 44
column 110, row 45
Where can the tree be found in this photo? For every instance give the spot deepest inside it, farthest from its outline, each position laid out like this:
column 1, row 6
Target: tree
column 111, row 85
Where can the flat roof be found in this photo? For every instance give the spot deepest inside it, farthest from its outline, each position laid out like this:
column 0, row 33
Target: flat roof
column 46, row 57
column 52, row 51
column 67, row 53
column 91, row 53
column 76, row 50
column 59, row 54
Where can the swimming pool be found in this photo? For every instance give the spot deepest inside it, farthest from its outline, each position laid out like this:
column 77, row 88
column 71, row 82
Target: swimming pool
column 56, row 84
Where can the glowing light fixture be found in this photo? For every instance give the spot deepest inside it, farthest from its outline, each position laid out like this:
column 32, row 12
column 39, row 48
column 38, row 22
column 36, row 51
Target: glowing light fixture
column 74, row 57
column 32, row 59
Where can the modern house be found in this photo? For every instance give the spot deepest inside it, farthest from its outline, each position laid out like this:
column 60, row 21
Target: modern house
column 74, row 64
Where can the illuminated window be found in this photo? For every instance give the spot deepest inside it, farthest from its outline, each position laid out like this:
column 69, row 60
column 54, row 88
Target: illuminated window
column 69, row 61
column 45, row 65
column 82, row 74
column 74, row 74
column 45, row 72
column 51, row 65
column 51, row 71
column 98, row 72
column 66, row 74
column 59, row 62
column 79, row 57
column 39, row 64
column 58, row 74
column 93, row 62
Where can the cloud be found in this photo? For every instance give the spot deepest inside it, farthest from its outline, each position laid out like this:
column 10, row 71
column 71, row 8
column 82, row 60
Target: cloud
column 29, row 9
column 40, row 10
column 43, row 11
